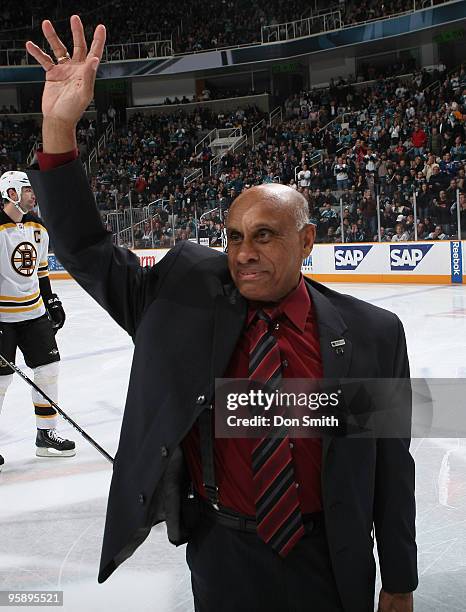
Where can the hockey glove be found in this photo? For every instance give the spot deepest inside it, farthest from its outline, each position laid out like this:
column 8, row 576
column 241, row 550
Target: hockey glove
column 55, row 312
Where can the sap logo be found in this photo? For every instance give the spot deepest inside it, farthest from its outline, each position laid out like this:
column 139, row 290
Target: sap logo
column 407, row 257
column 349, row 257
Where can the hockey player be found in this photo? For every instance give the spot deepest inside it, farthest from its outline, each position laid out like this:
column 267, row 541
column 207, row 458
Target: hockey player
column 30, row 314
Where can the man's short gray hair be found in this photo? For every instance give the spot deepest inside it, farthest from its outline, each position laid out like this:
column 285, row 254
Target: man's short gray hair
column 301, row 212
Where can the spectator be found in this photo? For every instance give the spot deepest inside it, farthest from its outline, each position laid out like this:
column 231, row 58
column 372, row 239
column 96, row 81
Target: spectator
column 424, row 200
column 437, row 234
column 369, row 211
column 341, row 172
column 304, row 177
column 400, row 235
column 419, row 139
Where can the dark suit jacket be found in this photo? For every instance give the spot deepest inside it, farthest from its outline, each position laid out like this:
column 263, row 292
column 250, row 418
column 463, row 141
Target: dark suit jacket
column 186, row 312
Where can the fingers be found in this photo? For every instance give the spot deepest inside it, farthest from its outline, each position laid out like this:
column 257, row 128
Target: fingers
column 58, row 48
column 79, row 44
column 79, row 40
column 97, row 47
column 43, row 58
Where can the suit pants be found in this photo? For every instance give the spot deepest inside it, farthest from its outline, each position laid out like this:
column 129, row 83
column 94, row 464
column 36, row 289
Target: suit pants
column 233, row 570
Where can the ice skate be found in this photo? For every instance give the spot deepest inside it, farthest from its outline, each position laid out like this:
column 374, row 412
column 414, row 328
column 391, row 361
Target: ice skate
column 49, row 444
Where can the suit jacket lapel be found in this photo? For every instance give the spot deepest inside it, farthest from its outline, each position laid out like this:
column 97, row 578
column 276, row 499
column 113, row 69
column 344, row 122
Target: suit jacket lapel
column 331, row 327
column 229, row 318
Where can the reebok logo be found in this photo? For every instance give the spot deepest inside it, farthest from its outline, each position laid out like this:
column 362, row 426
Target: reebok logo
column 456, row 262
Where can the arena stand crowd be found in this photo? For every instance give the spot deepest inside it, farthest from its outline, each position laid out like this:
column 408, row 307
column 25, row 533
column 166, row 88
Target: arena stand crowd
column 191, row 27
column 349, row 148
column 396, row 140
column 16, row 140
column 19, row 136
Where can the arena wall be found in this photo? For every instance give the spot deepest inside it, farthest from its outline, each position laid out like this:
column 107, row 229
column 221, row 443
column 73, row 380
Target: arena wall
column 402, row 262
column 154, row 91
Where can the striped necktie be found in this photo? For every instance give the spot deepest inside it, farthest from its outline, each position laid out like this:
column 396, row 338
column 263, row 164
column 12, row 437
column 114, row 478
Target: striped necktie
column 278, row 513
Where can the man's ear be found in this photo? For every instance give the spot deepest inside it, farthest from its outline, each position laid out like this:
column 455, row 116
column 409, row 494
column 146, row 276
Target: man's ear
column 309, row 232
column 12, row 194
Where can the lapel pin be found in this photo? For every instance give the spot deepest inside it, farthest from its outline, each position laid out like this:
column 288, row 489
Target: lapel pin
column 338, row 346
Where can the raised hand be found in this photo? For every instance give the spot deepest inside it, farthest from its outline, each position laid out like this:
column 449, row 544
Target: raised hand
column 69, row 83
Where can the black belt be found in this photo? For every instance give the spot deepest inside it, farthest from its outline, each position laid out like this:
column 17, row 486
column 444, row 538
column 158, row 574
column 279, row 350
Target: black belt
column 210, row 508
column 241, row 522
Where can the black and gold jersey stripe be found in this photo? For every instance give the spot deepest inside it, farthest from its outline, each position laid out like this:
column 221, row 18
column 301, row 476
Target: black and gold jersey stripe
column 43, row 269
column 29, row 220
column 20, row 304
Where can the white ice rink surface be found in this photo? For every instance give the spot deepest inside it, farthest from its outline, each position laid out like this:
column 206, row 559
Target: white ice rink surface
column 52, row 510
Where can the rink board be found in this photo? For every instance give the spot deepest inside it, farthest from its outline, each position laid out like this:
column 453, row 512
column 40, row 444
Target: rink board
column 442, row 262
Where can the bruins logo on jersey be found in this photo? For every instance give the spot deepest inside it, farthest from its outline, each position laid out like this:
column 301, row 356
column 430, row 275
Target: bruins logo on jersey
column 24, row 259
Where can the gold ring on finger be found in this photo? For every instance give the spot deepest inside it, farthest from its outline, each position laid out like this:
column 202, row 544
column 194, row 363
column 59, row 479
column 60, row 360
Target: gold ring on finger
column 63, row 58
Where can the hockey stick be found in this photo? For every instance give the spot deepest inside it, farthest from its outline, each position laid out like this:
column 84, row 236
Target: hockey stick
column 57, row 408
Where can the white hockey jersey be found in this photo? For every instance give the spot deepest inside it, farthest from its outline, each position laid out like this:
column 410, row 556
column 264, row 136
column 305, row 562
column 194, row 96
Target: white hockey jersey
column 23, row 260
